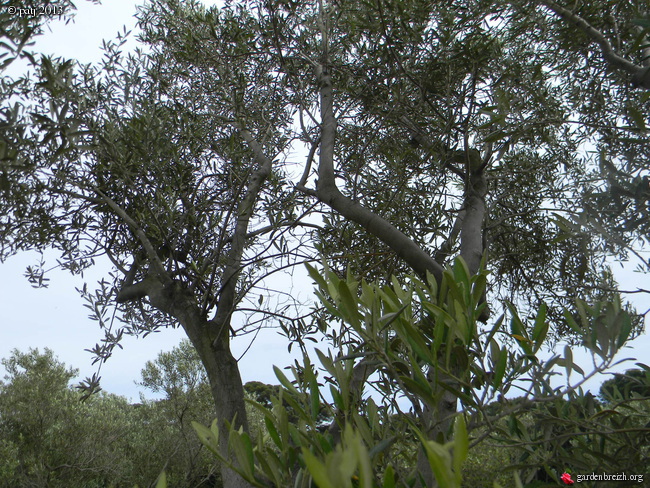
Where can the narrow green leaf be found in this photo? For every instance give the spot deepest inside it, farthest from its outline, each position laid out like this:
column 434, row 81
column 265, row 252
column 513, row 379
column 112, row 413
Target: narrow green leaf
column 316, row 276
column 273, row 432
column 416, row 341
column 440, row 462
column 495, row 351
column 571, row 321
column 389, row 477
column 480, row 284
column 241, row 445
column 382, row 446
column 602, row 332
column 349, row 305
column 337, row 397
column 313, row 391
column 461, row 446
column 270, row 467
column 626, row 328
column 317, row 470
column 297, row 406
column 363, row 460
column 540, row 329
column 540, row 321
column 284, row 380
column 391, row 301
column 516, row 325
column 500, row 368
column 162, row 480
column 282, row 421
column 329, row 306
column 568, row 358
column 461, row 271
column 207, row 437
column 424, row 393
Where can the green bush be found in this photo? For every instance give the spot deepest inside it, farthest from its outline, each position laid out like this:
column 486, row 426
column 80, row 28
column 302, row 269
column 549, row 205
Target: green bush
column 417, row 342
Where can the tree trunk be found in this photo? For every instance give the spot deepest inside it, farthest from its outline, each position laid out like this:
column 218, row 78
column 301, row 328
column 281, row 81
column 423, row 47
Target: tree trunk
column 213, row 347
column 436, row 424
column 228, row 394
column 438, row 420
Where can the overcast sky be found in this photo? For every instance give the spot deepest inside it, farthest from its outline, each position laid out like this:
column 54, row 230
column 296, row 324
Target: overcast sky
column 55, row 317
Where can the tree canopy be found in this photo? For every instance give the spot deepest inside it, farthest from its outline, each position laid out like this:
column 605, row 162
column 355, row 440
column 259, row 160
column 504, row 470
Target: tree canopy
column 384, row 137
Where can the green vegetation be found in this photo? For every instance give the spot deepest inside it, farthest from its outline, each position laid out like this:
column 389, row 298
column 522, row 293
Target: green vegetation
column 299, row 437
column 530, row 440
column 50, row 437
column 465, row 170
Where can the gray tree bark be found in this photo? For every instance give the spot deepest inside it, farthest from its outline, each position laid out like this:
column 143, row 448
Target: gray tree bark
column 213, row 346
column 437, row 419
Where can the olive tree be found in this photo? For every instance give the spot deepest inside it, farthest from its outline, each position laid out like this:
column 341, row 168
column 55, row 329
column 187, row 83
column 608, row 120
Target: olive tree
column 420, row 131
column 51, row 438
column 127, row 163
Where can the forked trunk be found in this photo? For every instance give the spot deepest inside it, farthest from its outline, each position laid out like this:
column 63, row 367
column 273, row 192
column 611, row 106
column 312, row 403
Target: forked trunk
column 213, row 347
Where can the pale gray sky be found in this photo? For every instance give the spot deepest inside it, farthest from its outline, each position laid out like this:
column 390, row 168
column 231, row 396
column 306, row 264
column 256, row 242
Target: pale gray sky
column 55, row 317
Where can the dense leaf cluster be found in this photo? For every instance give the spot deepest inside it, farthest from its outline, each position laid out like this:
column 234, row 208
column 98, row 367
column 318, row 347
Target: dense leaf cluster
column 387, row 137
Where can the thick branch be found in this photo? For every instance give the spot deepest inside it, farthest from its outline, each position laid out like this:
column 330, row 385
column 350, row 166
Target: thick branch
column 135, row 291
column 328, row 193
column 156, row 263
column 640, row 75
column 226, row 302
column 471, row 232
